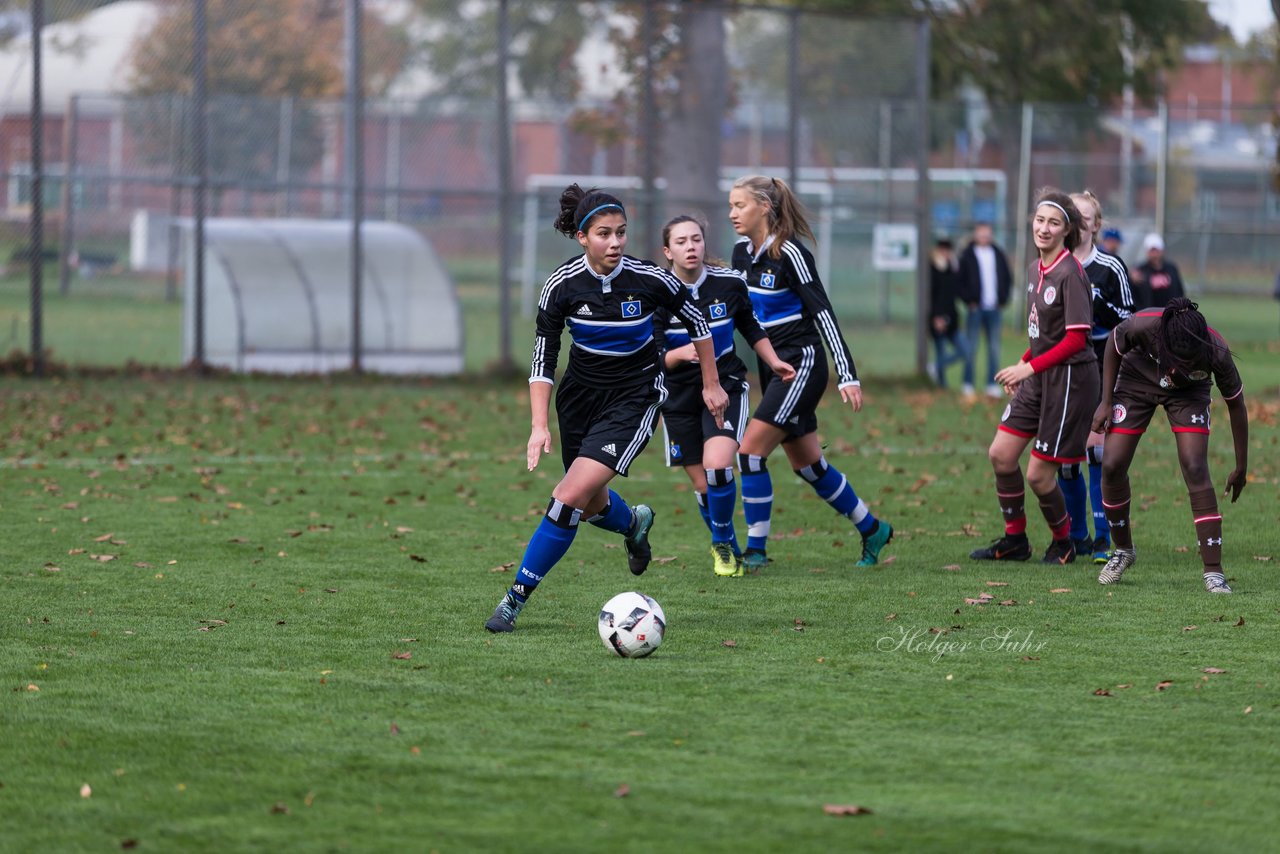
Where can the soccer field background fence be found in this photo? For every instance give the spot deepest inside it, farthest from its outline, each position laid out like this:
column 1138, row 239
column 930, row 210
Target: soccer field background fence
column 663, row 102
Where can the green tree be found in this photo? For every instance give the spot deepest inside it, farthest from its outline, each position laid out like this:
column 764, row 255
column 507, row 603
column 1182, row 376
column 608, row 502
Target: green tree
column 258, row 54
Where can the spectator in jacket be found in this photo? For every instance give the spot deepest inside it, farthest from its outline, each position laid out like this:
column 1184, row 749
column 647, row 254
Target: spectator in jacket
column 985, row 286
column 1158, row 278
column 944, row 319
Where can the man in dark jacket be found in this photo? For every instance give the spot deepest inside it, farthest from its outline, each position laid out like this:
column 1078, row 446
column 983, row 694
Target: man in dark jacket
column 985, row 287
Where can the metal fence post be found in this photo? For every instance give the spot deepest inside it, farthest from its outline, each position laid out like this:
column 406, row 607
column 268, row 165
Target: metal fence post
column 1162, row 167
column 36, row 244
column 1022, row 205
column 793, row 99
column 200, row 128
column 355, row 174
column 70, row 149
column 505, row 179
column 924, row 196
column 649, row 132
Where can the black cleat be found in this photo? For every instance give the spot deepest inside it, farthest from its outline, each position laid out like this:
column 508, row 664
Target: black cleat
column 639, row 552
column 1060, row 552
column 504, row 616
column 1008, row 547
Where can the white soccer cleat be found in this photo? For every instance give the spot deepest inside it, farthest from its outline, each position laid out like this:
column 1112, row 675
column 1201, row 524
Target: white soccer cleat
column 1215, row 582
column 1120, row 560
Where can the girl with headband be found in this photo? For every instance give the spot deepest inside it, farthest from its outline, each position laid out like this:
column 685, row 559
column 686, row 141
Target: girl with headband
column 1054, row 386
column 1168, row 357
column 608, row 400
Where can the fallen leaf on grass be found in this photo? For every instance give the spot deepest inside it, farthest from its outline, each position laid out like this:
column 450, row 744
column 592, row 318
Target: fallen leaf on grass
column 1160, row 686
column 403, row 656
column 1248, row 709
column 1180, row 549
column 104, row 538
column 395, row 730
column 52, row 568
column 331, row 590
column 102, row 558
column 1189, row 628
column 622, row 791
column 75, row 551
column 952, row 567
column 403, row 529
column 662, row 561
column 1212, row 670
column 238, row 540
column 85, row 791
column 890, row 617
column 997, row 584
column 279, row 808
column 1009, row 602
column 845, row 809
column 729, row 643
column 1262, row 557
column 142, row 565
column 502, row 567
column 890, row 559
column 1238, row 624
column 417, row 558
column 1125, row 685
column 1102, row 692
column 1060, row 590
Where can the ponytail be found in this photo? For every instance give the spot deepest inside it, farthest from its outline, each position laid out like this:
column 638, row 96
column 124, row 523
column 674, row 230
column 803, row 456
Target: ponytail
column 578, row 207
column 787, row 215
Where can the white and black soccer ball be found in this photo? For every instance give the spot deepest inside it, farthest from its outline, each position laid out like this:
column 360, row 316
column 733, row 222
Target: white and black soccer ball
column 632, row 625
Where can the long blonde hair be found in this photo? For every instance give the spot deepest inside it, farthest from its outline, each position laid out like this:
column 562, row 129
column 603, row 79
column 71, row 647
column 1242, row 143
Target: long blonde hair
column 787, row 214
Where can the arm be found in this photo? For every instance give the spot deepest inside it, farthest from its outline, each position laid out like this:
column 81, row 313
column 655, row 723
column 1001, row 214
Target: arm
column 712, row 394
column 1073, row 342
column 1113, row 299
column 1110, row 370
column 764, row 349
column 746, row 324
column 540, row 432
column 813, row 295
column 1239, row 415
column 672, row 356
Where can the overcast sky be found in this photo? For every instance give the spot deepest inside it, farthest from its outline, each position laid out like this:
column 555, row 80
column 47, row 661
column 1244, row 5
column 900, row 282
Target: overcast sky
column 1244, row 17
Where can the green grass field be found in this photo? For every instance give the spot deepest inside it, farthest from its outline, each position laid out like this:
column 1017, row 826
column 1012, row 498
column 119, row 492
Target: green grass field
column 246, row 614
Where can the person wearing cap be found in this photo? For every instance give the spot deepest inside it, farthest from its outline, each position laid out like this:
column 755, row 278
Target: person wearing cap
column 1158, row 278
column 1112, row 240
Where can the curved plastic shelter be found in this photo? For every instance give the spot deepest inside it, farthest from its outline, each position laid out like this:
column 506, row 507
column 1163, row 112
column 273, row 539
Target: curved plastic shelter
column 278, row 298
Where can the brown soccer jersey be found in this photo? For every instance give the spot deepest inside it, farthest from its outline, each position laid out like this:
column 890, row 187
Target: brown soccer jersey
column 1059, row 298
column 1136, row 342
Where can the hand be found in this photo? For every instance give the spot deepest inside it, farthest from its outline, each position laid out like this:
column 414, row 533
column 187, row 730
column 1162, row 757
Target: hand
column 1235, row 484
column 687, row 353
column 783, row 371
column 852, row 394
column 939, row 325
column 539, row 443
column 1101, row 418
column 1014, row 374
column 716, row 401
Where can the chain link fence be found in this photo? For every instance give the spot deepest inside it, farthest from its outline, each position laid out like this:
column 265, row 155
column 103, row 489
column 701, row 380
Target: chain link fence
column 664, row 103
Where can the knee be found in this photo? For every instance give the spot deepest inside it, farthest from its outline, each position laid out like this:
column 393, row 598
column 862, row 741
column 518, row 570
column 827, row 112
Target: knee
column 1000, row 461
column 1196, row 473
column 1114, row 471
column 1042, row 481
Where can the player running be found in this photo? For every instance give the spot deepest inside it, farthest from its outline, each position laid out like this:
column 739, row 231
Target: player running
column 607, row 404
column 693, row 439
column 792, row 305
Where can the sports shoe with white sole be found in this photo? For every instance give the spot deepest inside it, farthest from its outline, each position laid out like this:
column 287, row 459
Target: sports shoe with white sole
column 1117, row 563
column 1215, row 582
column 639, row 552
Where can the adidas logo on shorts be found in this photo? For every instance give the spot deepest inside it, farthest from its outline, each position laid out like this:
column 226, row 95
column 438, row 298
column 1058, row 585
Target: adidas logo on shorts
column 611, row 449
column 728, row 425
column 584, row 311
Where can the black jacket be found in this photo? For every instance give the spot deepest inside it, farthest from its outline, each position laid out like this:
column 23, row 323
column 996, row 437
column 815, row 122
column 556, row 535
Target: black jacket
column 971, row 278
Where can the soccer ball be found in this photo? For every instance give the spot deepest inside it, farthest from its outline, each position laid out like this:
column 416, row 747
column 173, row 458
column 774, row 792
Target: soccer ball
column 632, row 625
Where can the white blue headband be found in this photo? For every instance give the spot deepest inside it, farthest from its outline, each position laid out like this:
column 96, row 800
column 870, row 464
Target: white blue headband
column 597, row 210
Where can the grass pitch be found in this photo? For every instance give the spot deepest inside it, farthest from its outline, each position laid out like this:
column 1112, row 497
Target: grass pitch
column 246, row 614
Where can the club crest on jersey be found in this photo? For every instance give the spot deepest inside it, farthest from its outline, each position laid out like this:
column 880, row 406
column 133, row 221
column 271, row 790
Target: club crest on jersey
column 1050, row 294
column 631, row 308
column 1118, row 413
column 767, row 280
column 717, row 310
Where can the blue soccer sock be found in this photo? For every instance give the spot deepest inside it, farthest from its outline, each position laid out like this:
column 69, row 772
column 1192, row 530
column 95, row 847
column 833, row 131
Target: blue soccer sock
column 757, row 499
column 1075, row 491
column 616, row 515
column 835, row 489
column 703, row 509
column 548, row 544
column 1100, row 524
column 722, row 501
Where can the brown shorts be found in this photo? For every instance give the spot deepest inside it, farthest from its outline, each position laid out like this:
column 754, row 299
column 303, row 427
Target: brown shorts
column 1135, row 402
column 1054, row 409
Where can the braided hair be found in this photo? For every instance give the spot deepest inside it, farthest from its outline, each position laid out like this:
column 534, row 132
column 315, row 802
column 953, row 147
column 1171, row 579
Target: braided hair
column 1184, row 339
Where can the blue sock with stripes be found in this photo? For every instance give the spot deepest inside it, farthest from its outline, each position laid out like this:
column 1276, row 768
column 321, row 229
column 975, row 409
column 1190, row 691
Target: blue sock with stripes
column 548, row 544
column 616, row 515
column 722, row 501
column 757, row 499
column 835, row 489
column 1100, row 524
column 1076, row 492
column 703, row 509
